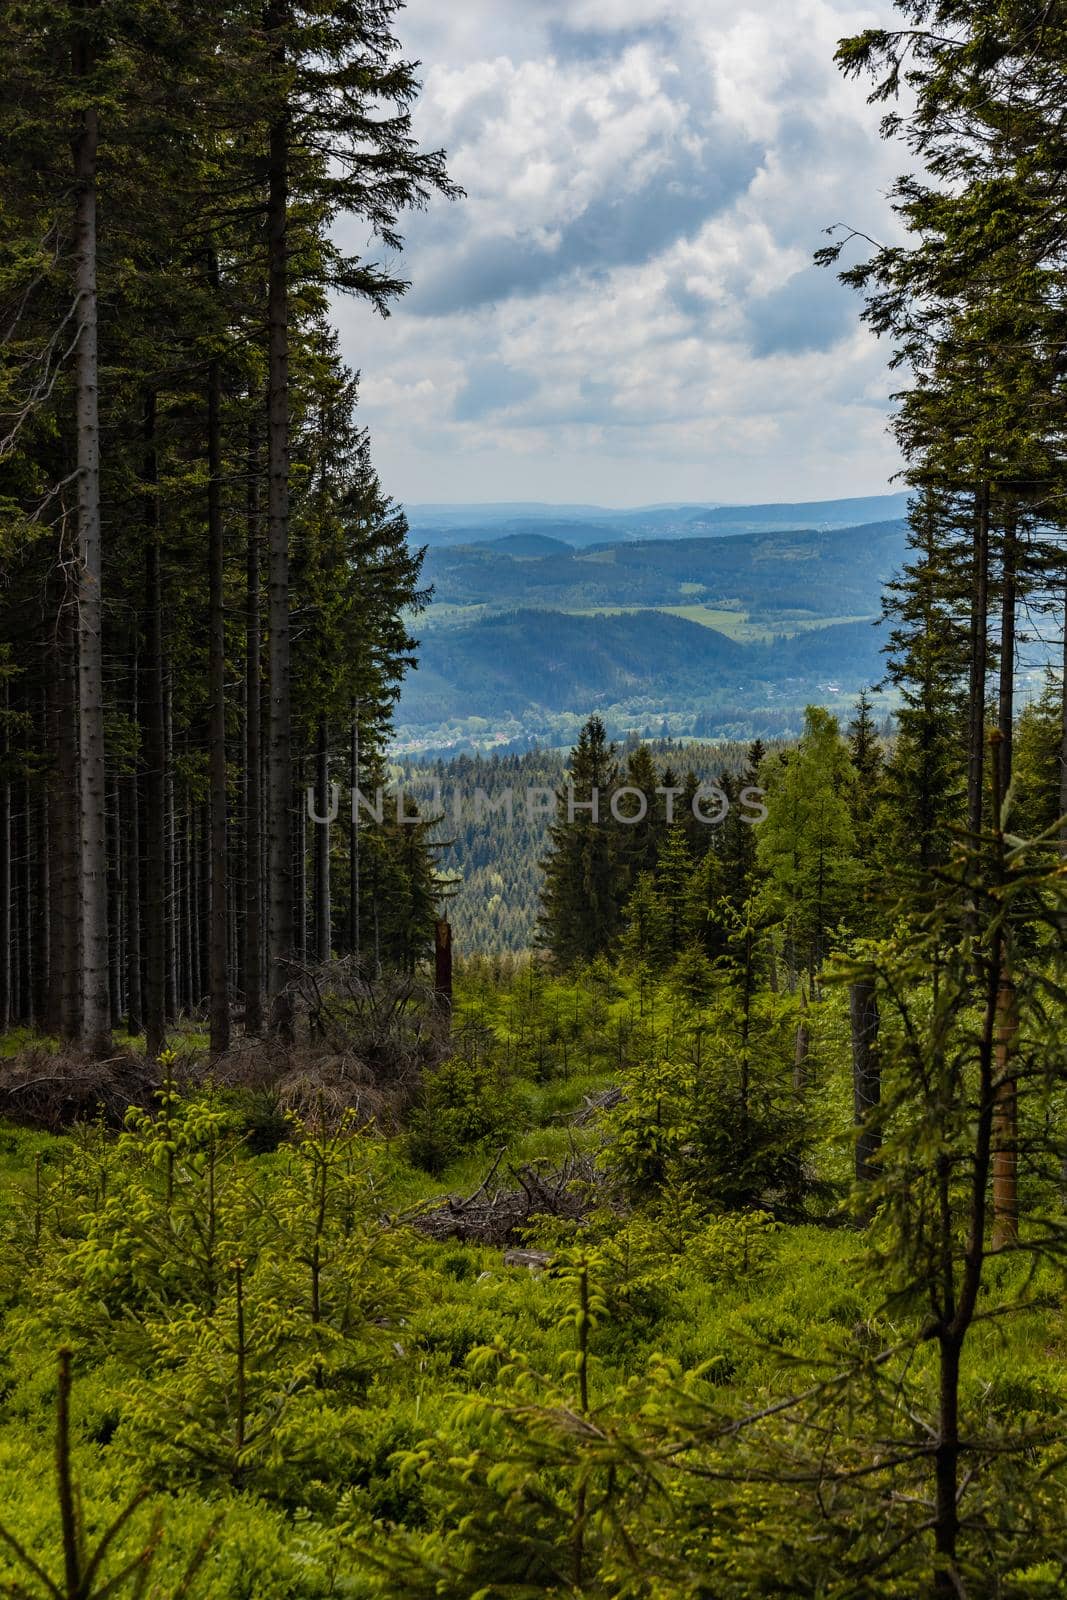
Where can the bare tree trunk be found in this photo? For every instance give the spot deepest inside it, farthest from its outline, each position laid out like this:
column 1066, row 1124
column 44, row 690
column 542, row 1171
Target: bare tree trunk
column 53, row 1009
column 131, row 872
column 1063, row 736
column 443, row 961
column 5, row 865
column 1006, row 697
column 1005, row 1154
column 202, row 921
column 42, row 897
column 170, row 835
column 959, row 1300
column 42, row 893
column 200, row 907
column 1005, row 1117
column 114, row 899
column 323, row 907
column 253, row 865
column 24, row 907
column 154, row 769
column 186, row 910
column 946, row 1467
column 802, row 1049
column 300, row 888
column 190, row 920
column 353, row 843
column 280, row 784
column 96, row 1007
column 866, row 1074
column 70, row 925
column 233, row 936
column 15, row 939
column 218, row 966
column 979, row 662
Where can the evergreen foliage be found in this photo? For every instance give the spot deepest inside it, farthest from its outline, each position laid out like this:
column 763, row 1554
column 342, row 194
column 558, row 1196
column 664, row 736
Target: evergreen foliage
column 713, row 1248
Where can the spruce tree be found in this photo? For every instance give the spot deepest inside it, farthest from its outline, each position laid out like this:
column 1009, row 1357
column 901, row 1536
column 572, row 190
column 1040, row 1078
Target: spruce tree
column 806, row 846
column 582, row 895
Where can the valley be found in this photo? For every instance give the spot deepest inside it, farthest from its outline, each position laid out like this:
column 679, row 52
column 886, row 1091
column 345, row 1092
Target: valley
column 720, row 634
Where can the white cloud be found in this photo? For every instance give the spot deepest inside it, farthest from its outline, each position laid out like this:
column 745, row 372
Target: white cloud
column 624, row 308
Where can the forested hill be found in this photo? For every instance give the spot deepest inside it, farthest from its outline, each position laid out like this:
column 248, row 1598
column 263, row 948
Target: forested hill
column 779, row 571
column 728, row 637
column 549, row 660
column 494, row 855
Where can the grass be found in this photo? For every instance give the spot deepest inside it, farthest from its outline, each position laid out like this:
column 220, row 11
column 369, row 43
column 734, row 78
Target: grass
column 186, row 1039
column 735, row 624
column 758, row 1335
column 729, row 618
column 447, row 614
column 18, row 1040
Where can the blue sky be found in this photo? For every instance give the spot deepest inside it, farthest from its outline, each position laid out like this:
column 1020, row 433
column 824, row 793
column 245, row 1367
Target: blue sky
column 623, row 310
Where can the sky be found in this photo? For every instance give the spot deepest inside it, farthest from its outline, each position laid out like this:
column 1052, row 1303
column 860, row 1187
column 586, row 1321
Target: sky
column 623, row 311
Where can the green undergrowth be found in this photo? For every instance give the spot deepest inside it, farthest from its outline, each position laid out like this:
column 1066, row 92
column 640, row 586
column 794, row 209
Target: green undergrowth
column 334, row 1404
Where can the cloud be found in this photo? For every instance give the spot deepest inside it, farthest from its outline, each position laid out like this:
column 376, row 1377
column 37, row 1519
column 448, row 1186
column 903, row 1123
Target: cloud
column 491, row 386
column 625, row 307
column 616, row 227
column 807, row 312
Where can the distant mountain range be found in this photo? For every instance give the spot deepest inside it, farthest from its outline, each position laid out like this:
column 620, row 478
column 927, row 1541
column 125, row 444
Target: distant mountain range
column 800, row 572
column 720, row 632
column 640, row 666
column 581, row 525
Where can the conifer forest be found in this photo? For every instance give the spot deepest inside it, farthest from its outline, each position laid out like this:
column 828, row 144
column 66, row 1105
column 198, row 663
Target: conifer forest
column 627, row 1169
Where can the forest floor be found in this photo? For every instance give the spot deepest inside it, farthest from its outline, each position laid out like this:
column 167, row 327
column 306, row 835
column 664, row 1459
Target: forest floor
column 297, row 1531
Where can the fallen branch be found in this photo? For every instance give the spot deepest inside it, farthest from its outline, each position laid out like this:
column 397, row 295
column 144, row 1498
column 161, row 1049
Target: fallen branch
column 501, row 1216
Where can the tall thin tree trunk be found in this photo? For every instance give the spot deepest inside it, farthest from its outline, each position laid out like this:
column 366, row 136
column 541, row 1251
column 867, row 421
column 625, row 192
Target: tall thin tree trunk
column 1005, row 1116
column 42, row 885
column 866, row 1074
column 54, row 844
column 300, row 887
column 280, row 785
column 979, row 653
column 24, row 907
column 218, row 966
column 70, row 924
column 131, row 871
column 353, row 842
column 253, row 865
column 96, row 1008
column 186, row 909
column 5, row 865
column 233, row 940
column 1006, row 697
column 197, row 910
column 946, row 1468
column 114, row 899
column 203, row 919
column 1005, row 1153
column 323, row 907
column 1063, row 739
column 170, row 835
column 802, row 1049
column 23, row 957
column 154, row 768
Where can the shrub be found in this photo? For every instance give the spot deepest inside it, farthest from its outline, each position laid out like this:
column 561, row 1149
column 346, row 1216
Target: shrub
column 721, row 1120
column 463, row 1103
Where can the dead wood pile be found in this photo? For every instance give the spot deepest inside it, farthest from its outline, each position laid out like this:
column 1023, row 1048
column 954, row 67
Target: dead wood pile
column 498, row 1214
